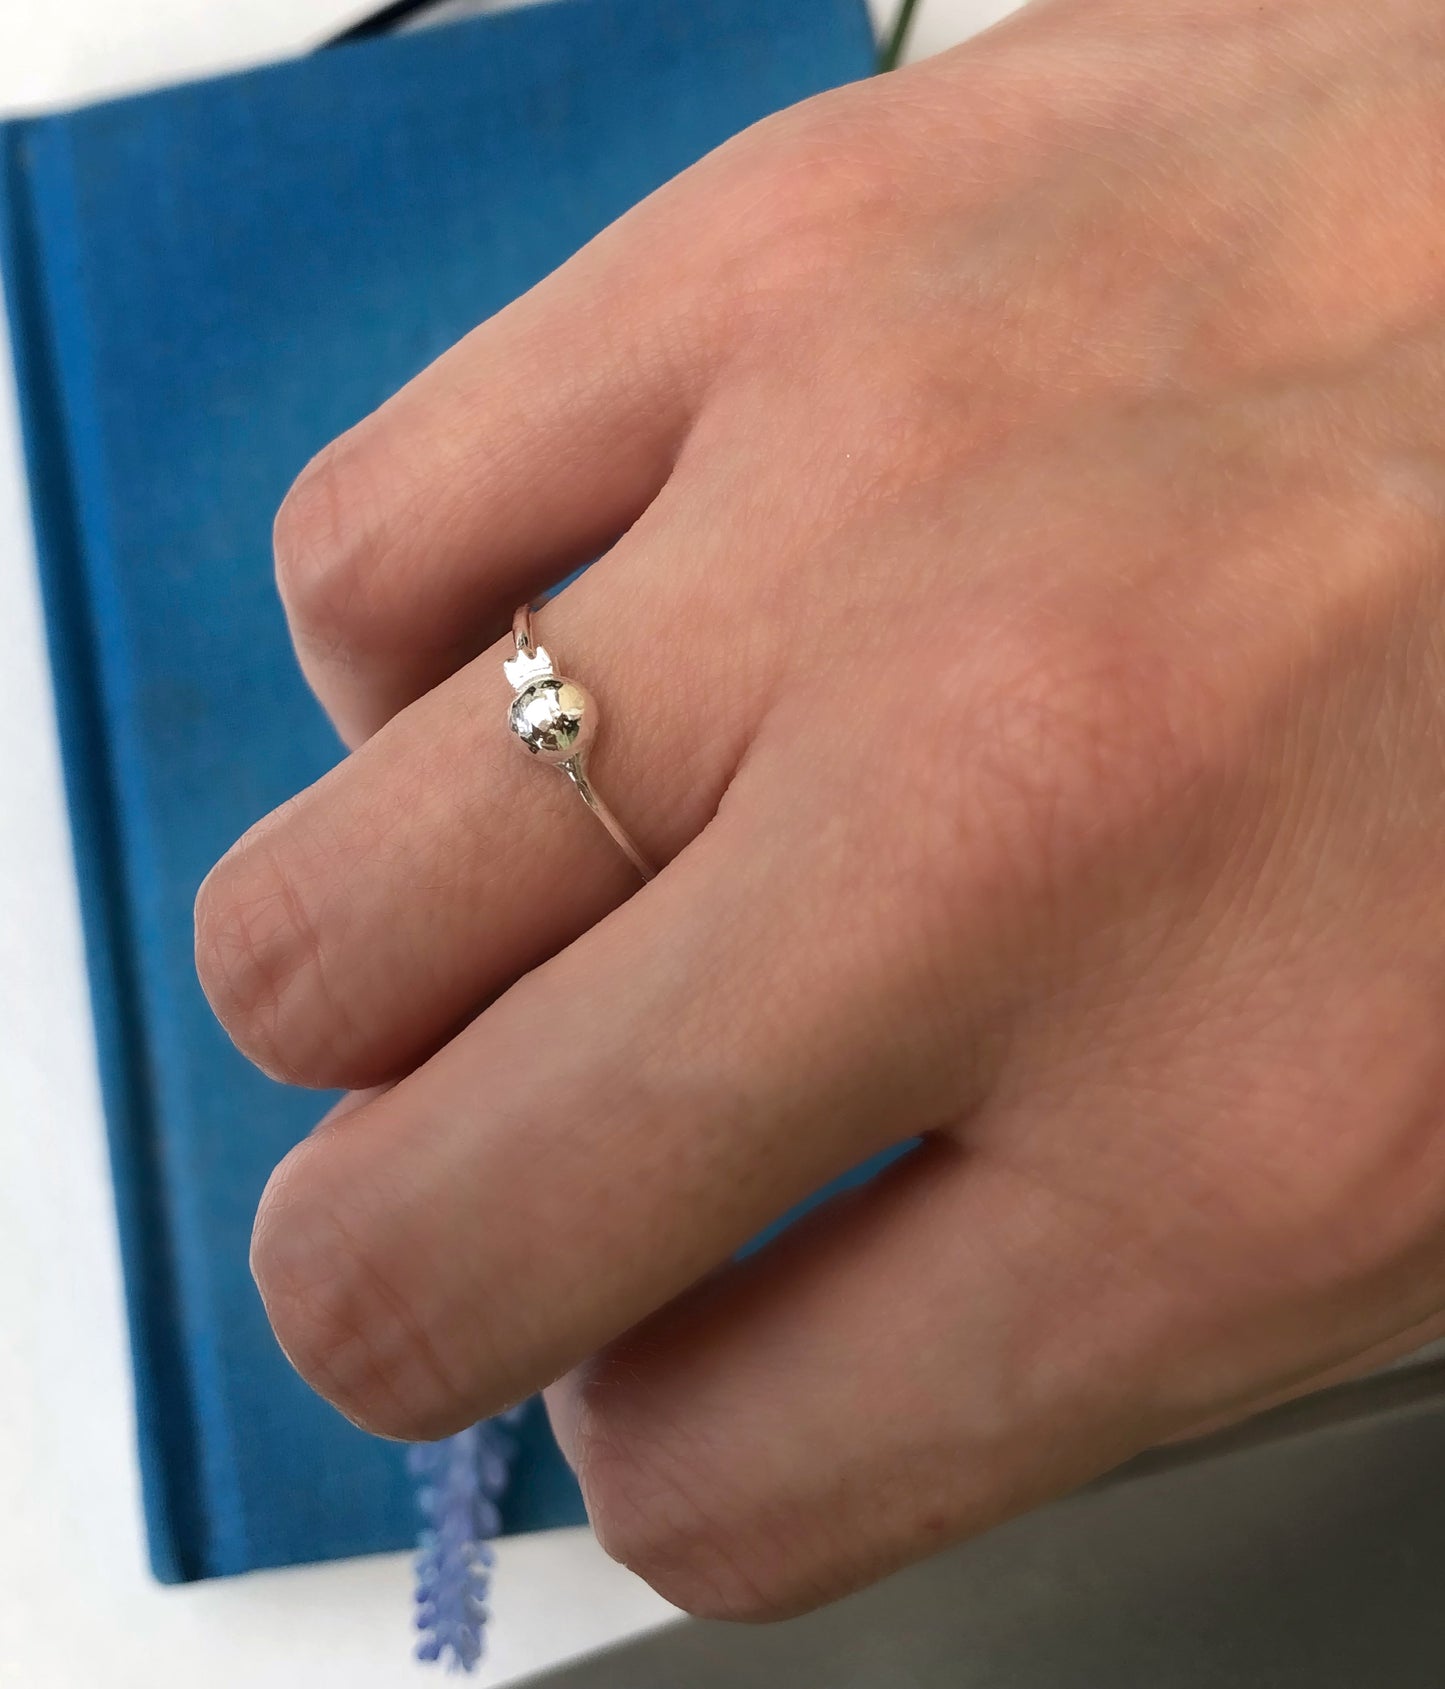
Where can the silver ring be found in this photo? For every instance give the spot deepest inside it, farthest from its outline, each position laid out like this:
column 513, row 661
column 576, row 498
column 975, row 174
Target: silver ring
column 556, row 720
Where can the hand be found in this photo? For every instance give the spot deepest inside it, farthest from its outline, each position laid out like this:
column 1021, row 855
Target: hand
column 1022, row 639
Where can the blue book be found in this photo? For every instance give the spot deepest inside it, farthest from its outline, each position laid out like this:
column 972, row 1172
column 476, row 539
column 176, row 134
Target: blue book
column 205, row 285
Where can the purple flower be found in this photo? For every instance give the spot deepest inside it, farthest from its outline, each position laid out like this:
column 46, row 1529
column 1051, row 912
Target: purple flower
column 462, row 1480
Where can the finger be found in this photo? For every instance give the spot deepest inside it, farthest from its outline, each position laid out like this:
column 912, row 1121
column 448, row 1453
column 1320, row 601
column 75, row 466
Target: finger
column 921, row 1361
column 352, row 932
column 1378, row 1357
column 352, row 1101
column 520, row 454
column 608, row 1132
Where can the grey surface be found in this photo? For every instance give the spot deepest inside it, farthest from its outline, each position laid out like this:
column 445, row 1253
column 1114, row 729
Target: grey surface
column 1307, row 1555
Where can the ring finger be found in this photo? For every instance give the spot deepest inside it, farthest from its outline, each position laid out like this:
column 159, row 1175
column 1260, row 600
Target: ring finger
column 352, row 932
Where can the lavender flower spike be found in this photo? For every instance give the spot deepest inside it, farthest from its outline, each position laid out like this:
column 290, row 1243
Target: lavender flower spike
column 462, row 1481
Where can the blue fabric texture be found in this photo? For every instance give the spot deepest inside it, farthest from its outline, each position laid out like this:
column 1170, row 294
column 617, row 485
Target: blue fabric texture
column 205, row 285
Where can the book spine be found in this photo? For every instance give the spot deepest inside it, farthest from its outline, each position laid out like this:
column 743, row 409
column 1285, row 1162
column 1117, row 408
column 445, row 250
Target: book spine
column 175, row 1514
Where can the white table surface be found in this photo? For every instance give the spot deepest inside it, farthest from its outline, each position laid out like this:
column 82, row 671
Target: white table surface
column 77, row 1605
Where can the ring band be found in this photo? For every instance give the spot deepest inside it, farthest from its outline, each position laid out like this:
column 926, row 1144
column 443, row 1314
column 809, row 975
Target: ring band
column 556, row 720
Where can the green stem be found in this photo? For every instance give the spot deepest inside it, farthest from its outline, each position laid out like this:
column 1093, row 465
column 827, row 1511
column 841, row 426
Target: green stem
column 893, row 50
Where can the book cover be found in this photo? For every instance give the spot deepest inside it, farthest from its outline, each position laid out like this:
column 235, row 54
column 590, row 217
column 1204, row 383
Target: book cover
column 205, row 285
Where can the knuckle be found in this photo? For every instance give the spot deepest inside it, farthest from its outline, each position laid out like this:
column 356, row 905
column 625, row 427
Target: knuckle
column 259, row 960
column 1082, row 742
column 805, row 189
column 340, row 1317
column 660, row 1506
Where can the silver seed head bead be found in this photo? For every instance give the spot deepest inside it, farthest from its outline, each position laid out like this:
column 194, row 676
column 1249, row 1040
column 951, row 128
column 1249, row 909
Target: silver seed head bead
column 555, row 719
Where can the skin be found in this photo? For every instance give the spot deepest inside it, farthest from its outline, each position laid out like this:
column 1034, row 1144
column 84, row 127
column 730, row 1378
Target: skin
column 1022, row 642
